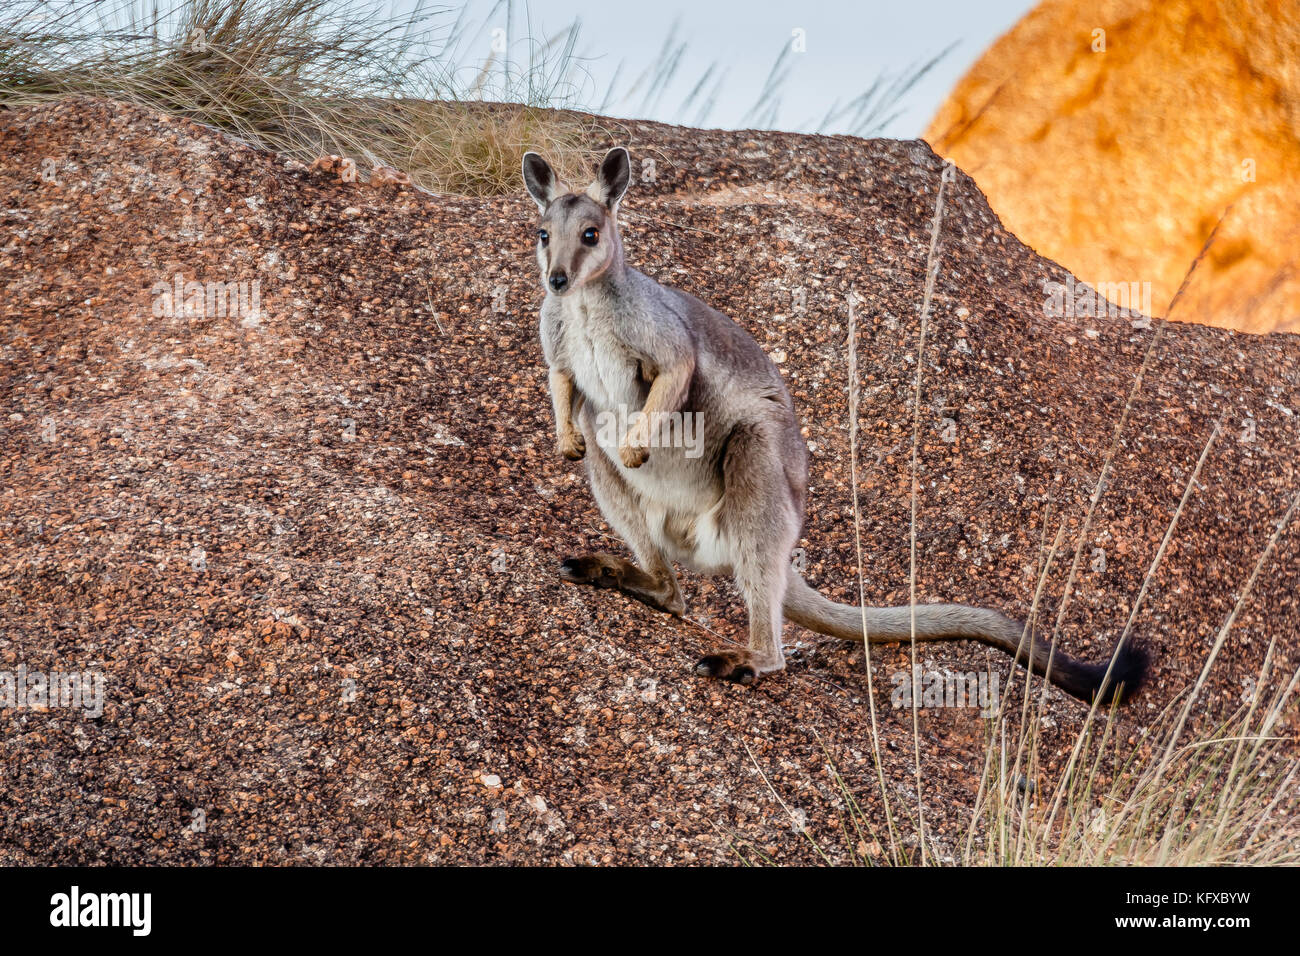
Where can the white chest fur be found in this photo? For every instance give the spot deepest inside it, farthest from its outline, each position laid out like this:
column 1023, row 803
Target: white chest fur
column 676, row 489
column 603, row 368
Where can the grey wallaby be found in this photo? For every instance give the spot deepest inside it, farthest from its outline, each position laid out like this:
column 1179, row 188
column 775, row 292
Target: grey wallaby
column 695, row 455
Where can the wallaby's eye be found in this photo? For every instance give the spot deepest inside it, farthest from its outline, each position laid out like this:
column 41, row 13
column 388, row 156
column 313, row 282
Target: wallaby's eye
column 591, row 236
column 543, row 236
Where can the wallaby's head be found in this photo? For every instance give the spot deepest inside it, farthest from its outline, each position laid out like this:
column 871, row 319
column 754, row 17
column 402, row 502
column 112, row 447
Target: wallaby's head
column 577, row 235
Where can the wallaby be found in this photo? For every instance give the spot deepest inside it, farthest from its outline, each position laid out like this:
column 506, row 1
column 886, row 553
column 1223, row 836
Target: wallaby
column 617, row 343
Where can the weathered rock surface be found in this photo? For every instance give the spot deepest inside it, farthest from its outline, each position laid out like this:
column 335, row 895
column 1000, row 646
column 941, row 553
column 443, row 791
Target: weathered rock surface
column 312, row 546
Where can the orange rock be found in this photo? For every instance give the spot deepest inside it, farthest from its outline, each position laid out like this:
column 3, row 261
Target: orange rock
column 1111, row 136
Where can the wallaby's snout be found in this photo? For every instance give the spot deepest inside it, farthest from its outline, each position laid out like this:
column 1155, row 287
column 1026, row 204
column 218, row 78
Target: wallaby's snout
column 577, row 234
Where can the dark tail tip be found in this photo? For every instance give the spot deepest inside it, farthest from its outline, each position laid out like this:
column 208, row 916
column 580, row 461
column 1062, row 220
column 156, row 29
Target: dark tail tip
column 1128, row 673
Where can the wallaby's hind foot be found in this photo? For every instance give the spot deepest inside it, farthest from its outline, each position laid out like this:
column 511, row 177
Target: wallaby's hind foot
column 607, row 571
column 733, row 664
column 738, row 664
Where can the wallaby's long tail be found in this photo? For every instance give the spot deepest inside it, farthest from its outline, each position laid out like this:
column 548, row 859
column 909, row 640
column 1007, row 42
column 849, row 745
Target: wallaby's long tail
column 809, row 608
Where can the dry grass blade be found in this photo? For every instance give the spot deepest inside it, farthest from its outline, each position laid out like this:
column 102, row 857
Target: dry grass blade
column 854, row 393
column 931, row 275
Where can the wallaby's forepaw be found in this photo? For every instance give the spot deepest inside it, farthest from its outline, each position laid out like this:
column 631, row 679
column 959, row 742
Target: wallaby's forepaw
column 572, row 445
column 733, row 664
column 633, row 456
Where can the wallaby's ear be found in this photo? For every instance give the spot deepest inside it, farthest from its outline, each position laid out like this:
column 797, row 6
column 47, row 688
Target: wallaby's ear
column 612, row 181
column 540, row 180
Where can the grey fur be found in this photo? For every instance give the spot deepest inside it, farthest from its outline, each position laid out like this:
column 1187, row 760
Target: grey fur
column 617, row 342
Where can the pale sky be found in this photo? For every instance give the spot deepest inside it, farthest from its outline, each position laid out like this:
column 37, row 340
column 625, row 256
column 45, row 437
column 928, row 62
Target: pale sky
column 847, row 45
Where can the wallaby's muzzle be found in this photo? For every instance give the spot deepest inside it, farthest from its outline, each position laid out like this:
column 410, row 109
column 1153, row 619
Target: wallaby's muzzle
column 558, row 280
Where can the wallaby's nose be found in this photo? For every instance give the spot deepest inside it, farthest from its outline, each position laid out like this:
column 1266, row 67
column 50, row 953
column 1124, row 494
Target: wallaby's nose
column 559, row 280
